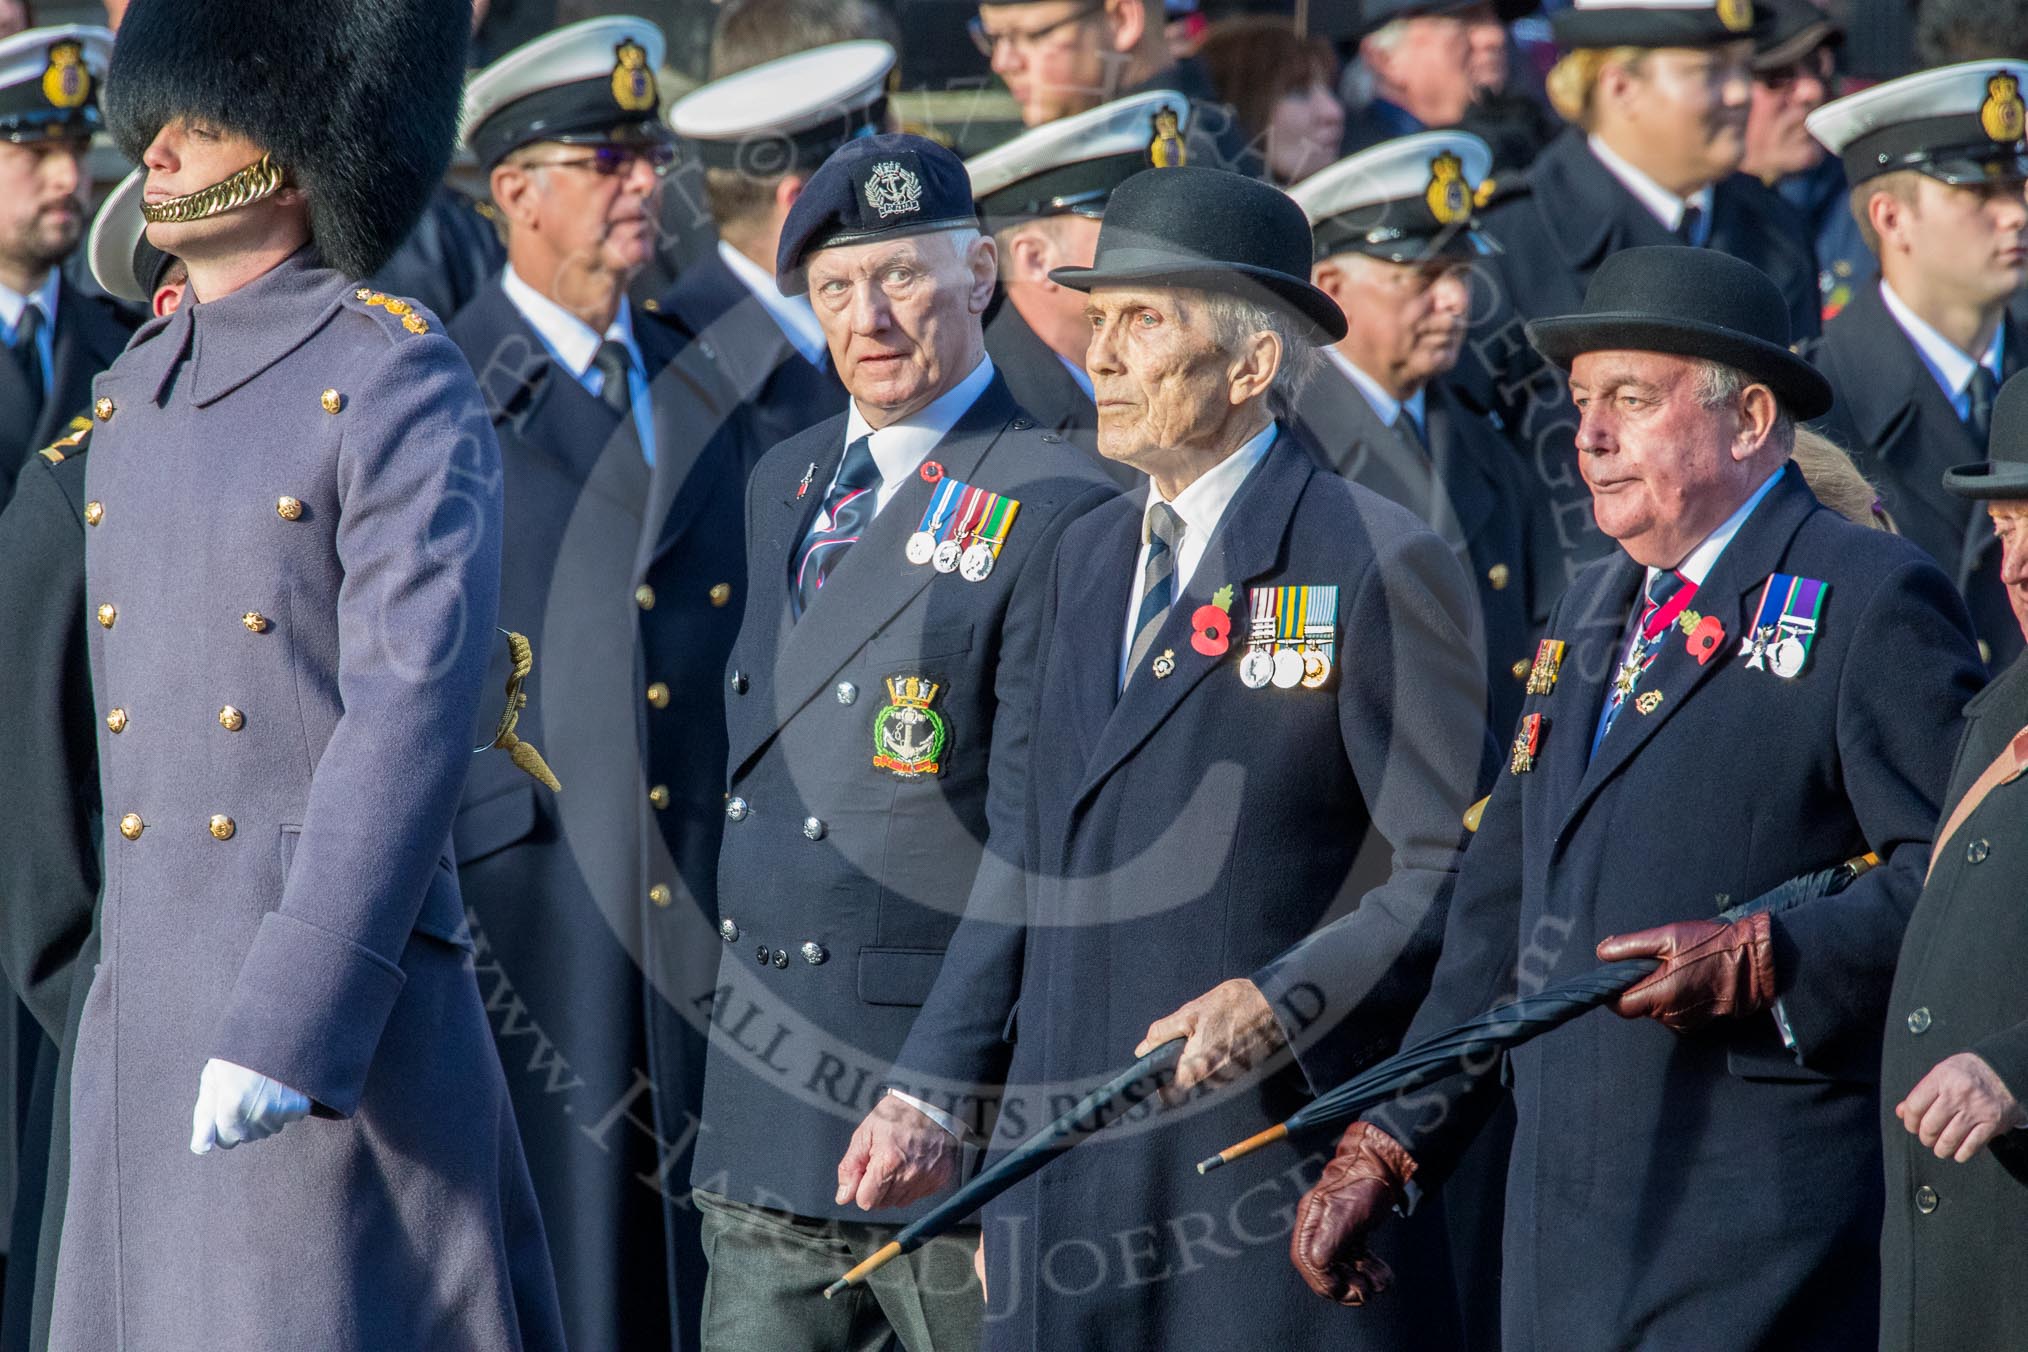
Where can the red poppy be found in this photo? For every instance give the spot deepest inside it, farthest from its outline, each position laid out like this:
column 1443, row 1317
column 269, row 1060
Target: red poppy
column 931, row 471
column 1213, row 631
column 1705, row 638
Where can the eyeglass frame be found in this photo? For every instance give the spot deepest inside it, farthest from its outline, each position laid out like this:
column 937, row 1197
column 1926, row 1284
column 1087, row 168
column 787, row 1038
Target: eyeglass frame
column 660, row 158
column 1820, row 62
column 988, row 42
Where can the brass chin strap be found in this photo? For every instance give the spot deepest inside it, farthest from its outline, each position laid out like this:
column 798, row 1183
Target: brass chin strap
column 260, row 179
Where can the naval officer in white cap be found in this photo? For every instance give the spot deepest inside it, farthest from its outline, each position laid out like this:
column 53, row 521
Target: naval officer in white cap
column 1041, row 196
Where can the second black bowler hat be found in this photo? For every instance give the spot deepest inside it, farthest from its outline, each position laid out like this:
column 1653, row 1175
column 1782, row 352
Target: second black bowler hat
column 1211, row 229
column 2005, row 474
column 1688, row 303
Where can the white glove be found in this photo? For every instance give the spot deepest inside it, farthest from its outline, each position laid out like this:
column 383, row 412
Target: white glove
column 235, row 1105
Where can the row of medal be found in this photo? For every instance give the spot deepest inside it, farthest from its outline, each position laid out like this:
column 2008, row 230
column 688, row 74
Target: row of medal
column 962, row 530
column 1291, row 638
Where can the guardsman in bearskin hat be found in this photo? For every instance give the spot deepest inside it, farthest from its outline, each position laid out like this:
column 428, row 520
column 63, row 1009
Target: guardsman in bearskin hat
column 292, row 555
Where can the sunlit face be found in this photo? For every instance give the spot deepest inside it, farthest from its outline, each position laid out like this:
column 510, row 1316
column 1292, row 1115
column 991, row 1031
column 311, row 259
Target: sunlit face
column 1051, row 55
column 1970, row 242
column 1159, row 378
column 1777, row 142
column 187, row 155
column 586, row 222
column 1662, row 467
column 42, row 210
column 1405, row 322
column 1429, row 66
column 901, row 316
column 1688, row 109
column 1304, row 133
column 2010, row 524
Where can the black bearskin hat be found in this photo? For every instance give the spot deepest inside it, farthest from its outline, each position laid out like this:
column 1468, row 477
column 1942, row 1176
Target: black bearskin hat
column 356, row 100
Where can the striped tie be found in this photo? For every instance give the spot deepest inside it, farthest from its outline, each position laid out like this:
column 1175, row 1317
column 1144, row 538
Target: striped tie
column 848, row 509
column 1656, row 616
column 1158, row 584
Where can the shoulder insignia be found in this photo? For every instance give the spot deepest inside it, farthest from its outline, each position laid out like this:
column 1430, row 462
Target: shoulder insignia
column 396, row 307
column 57, row 451
column 51, row 454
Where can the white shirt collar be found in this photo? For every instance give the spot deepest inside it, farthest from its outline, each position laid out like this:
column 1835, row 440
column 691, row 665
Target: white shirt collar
column 900, row 447
column 1202, row 505
column 1662, row 204
column 1696, row 565
column 571, row 341
column 1385, row 406
column 1951, row 367
column 792, row 314
column 12, row 303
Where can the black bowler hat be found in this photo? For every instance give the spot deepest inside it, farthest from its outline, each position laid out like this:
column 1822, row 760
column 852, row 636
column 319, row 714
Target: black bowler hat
column 873, row 188
column 1689, row 303
column 2005, row 475
column 1212, row 229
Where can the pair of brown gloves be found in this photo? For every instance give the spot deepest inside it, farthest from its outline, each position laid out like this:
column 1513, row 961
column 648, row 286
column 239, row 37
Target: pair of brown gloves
column 1710, row 970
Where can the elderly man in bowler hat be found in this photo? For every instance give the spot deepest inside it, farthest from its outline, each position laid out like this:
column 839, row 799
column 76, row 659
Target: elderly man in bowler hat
column 1247, row 647
column 1955, row 1074
column 1750, row 688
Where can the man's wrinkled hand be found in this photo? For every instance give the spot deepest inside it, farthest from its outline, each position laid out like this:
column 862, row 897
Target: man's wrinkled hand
column 1230, row 1029
column 236, row 1105
column 1959, row 1107
column 1367, row 1178
column 1710, row 970
column 897, row 1157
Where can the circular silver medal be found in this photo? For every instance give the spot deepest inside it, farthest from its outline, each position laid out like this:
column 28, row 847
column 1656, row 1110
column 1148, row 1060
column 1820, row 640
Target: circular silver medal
column 945, row 557
column 976, row 562
column 921, row 546
column 1787, row 658
column 1288, row 668
column 1257, row 668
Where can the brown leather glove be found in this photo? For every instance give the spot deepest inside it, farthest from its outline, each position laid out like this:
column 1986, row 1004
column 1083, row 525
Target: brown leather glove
column 1366, row 1179
column 1711, row 969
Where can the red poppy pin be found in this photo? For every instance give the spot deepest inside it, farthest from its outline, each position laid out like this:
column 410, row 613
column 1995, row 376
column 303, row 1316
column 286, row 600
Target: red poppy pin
column 1211, row 625
column 1705, row 638
column 931, row 471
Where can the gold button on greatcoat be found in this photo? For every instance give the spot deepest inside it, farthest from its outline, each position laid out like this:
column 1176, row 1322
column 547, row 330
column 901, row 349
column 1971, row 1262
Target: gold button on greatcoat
column 658, row 695
column 131, row 826
column 721, row 592
column 103, row 407
column 255, row 621
column 1498, row 575
column 95, row 512
column 107, row 614
column 658, row 797
column 231, row 719
column 331, row 400
column 222, row 827
column 644, row 596
column 659, row 894
column 288, row 508
column 116, row 721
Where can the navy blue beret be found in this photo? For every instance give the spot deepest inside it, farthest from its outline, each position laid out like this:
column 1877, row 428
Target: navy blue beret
column 871, row 188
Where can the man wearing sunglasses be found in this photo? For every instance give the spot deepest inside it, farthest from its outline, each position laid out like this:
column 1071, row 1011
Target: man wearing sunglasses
column 1059, row 57
column 1937, row 162
column 625, row 462
column 1794, row 74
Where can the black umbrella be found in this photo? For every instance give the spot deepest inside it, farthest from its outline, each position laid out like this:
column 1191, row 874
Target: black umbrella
column 1091, row 1113
column 1510, row 1025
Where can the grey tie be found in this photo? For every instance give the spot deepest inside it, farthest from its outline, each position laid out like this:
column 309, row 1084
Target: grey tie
column 1158, row 583
column 616, row 364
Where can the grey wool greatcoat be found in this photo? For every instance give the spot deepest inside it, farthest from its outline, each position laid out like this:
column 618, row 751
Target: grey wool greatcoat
column 1955, row 1238
column 293, row 578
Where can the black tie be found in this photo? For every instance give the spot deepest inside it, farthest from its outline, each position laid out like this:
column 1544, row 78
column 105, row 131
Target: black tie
column 28, row 354
column 1691, row 225
column 849, row 506
column 616, row 364
column 1979, row 417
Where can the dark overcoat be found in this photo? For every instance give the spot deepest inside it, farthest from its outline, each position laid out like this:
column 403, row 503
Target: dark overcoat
column 1190, row 831
column 295, row 575
column 1955, row 1236
column 1555, row 224
column 624, row 577
column 840, row 882
column 1039, row 382
column 1903, row 434
column 90, row 332
column 1471, row 488
column 1714, row 1189
column 448, row 258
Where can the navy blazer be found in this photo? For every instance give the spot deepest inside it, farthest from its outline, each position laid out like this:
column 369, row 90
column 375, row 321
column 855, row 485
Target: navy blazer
column 1472, row 488
column 1191, row 831
column 90, row 335
column 840, row 882
column 1665, row 1186
column 1903, row 432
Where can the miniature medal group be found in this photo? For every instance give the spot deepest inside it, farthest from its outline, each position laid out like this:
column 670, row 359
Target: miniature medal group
column 962, row 529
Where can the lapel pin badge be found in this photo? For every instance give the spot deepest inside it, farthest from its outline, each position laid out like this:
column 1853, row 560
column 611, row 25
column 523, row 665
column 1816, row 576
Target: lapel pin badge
column 1166, row 663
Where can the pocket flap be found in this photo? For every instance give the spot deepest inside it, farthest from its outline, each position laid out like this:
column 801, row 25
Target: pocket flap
column 493, row 824
column 898, row 976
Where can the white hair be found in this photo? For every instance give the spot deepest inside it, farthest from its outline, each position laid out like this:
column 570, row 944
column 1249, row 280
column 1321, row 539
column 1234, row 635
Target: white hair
column 1236, row 319
column 1719, row 385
